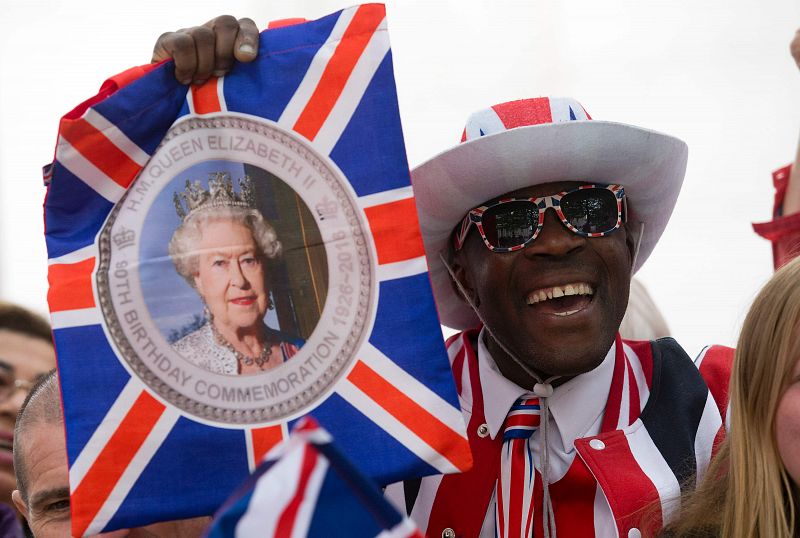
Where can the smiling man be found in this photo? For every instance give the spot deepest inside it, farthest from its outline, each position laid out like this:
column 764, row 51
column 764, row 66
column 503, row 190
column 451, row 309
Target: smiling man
column 533, row 227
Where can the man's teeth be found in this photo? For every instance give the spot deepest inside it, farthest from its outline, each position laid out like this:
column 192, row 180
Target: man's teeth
column 579, row 288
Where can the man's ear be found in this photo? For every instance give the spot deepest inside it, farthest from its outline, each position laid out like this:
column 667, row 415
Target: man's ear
column 632, row 232
column 19, row 502
column 462, row 274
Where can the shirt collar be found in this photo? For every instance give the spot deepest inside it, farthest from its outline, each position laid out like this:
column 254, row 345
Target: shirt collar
column 575, row 406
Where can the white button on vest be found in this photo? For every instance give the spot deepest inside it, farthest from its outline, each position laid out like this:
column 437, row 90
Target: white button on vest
column 448, row 533
column 483, row 430
column 597, row 444
column 634, row 533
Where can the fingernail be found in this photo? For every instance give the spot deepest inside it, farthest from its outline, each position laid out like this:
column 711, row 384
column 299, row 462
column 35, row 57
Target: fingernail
column 247, row 48
column 186, row 81
column 219, row 72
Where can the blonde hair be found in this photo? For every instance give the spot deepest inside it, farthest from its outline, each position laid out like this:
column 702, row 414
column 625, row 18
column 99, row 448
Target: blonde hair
column 746, row 491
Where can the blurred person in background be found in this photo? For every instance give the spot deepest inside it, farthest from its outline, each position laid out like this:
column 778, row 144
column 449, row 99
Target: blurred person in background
column 40, row 454
column 643, row 320
column 783, row 230
column 26, row 355
column 752, row 488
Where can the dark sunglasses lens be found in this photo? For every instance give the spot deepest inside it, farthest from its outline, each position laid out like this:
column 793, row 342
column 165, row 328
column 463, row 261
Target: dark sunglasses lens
column 591, row 211
column 510, row 224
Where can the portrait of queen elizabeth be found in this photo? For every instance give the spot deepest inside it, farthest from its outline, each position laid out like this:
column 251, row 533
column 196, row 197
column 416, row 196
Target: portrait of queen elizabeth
column 223, row 248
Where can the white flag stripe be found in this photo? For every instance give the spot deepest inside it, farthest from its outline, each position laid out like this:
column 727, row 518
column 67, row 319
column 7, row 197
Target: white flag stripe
column 268, row 501
column 248, row 441
column 391, row 271
column 385, row 197
column 710, row 423
column 223, row 106
column 257, row 519
column 89, row 251
column 353, row 90
column 311, row 79
column 401, row 530
column 80, row 167
column 190, row 101
column 116, row 136
column 97, row 442
column 75, row 318
column 302, row 520
column 134, row 470
column 653, row 465
column 411, row 387
column 394, row 427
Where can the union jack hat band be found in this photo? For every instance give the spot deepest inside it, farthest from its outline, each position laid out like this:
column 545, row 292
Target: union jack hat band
column 530, row 142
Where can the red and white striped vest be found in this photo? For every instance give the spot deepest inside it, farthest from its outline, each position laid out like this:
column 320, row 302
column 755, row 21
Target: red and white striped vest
column 664, row 415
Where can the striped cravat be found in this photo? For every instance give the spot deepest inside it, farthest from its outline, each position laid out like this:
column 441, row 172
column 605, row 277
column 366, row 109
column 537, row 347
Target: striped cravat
column 515, row 483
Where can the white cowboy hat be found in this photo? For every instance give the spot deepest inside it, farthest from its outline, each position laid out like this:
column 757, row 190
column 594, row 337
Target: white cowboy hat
column 533, row 141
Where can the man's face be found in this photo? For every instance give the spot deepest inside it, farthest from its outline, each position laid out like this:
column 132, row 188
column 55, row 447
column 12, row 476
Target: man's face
column 23, row 358
column 47, row 510
column 562, row 336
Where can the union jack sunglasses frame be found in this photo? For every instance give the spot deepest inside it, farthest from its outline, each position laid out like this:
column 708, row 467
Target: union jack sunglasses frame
column 542, row 203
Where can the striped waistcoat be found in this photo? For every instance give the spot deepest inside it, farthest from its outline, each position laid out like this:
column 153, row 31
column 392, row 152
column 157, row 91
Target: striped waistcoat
column 664, row 415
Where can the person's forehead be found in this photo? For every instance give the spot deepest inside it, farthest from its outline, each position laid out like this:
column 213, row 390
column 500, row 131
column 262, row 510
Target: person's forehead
column 45, row 457
column 226, row 234
column 28, row 356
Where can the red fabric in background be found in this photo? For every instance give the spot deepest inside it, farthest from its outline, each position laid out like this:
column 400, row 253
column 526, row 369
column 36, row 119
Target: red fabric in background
column 782, row 231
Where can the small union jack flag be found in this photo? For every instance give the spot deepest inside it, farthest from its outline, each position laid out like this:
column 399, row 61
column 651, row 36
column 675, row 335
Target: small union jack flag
column 306, row 487
column 135, row 455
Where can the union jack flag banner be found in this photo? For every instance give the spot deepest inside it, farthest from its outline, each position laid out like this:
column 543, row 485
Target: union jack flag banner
column 306, row 487
column 228, row 258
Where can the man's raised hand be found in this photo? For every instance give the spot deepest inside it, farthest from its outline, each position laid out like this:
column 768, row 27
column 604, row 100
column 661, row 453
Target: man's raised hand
column 211, row 49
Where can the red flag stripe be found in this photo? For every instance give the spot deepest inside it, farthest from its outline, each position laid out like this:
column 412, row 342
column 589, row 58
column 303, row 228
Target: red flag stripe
column 96, row 148
column 430, row 429
column 263, row 440
column 205, row 98
column 285, row 526
column 395, row 231
column 89, row 496
column 365, row 21
column 70, row 286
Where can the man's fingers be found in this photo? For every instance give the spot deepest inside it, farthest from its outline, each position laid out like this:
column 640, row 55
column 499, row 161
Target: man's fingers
column 211, row 49
column 245, row 47
column 225, row 29
column 205, row 46
column 180, row 47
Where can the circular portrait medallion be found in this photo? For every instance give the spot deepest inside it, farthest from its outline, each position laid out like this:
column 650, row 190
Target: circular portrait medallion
column 236, row 275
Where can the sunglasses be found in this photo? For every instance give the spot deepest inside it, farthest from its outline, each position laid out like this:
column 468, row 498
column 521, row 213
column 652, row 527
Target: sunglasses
column 512, row 223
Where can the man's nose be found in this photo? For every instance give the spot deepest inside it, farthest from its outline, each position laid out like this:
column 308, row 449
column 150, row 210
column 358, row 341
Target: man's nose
column 554, row 239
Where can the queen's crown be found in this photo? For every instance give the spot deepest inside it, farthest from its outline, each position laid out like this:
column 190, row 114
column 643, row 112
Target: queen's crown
column 219, row 194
